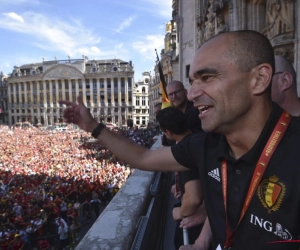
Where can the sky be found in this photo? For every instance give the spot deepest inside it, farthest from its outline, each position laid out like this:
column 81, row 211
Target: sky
column 31, row 30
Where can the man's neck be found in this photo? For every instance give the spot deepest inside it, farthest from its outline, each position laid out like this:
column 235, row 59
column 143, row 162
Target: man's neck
column 183, row 108
column 292, row 105
column 244, row 136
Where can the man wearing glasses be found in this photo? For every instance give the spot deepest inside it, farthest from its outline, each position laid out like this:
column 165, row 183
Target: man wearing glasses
column 177, row 95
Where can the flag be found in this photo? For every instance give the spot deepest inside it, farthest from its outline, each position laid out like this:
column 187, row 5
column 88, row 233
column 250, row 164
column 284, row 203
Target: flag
column 162, row 84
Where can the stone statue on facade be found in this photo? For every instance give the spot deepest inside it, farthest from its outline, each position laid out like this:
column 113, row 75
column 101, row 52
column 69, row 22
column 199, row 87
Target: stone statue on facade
column 210, row 23
column 279, row 18
column 221, row 25
column 168, row 27
column 200, row 35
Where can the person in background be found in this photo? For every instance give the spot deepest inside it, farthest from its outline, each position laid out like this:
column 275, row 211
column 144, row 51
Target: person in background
column 284, row 86
column 63, row 235
column 177, row 95
column 174, row 125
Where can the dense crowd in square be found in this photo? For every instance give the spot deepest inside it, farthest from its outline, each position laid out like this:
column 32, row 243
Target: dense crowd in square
column 48, row 176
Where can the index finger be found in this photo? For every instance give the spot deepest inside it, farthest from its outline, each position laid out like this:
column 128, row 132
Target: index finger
column 68, row 103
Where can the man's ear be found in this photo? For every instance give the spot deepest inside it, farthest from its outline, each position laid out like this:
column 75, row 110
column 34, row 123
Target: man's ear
column 286, row 81
column 168, row 133
column 262, row 78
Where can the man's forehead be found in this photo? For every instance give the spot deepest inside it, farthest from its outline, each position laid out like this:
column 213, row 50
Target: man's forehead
column 173, row 86
column 209, row 55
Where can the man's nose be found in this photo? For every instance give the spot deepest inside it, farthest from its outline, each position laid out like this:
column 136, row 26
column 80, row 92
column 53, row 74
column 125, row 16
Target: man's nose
column 194, row 92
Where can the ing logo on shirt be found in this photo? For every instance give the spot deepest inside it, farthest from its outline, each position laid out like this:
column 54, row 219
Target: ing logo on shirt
column 271, row 192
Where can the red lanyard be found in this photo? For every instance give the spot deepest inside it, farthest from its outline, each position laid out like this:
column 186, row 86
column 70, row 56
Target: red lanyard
column 260, row 168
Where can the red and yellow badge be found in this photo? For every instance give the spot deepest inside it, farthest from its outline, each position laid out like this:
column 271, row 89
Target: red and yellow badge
column 271, row 192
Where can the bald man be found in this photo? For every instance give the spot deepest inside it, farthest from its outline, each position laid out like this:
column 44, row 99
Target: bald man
column 284, row 86
column 177, row 95
column 248, row 159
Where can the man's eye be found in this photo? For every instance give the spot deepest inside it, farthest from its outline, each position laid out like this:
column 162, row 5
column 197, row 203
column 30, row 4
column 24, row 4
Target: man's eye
column 205, row 78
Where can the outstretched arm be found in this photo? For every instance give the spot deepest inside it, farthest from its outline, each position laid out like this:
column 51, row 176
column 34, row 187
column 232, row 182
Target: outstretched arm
column 137, row 156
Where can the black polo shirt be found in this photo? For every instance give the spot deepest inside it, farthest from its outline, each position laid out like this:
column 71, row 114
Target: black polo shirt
column 274, row 212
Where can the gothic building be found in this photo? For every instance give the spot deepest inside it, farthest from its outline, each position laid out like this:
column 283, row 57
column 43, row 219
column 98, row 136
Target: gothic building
column 193, row 22
column 106, row 86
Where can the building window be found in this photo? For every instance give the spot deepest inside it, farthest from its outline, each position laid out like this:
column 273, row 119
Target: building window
column 87, row 83
column 108, row 83
column 143, row 101
column 143, row 90
column 187, row 71
column 101, row 83
column 53, row 85
column 129, row 82
column 59, row 84
column 80, row 83
column 35, row 99
column 122, row 82
column 137, row 102
column 73, row 84
column 47, row 85
column 28, row 86
column 115, row 83
column 66, row 85
column 94, row 83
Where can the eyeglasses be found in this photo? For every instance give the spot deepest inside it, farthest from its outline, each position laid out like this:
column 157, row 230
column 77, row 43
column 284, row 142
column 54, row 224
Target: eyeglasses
column 175, row 93
column 278, row 73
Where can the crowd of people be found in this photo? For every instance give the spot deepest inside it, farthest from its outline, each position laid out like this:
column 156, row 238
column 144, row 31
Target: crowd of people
column 55, row 178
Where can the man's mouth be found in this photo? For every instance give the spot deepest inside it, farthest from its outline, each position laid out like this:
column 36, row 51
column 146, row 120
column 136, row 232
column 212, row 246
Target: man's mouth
column 203, row 109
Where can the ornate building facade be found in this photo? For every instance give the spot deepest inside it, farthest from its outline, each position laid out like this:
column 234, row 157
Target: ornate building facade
column 106, row 86
column 141, row 100
column 3, row 99
column 167, row 56
column 193, row 22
